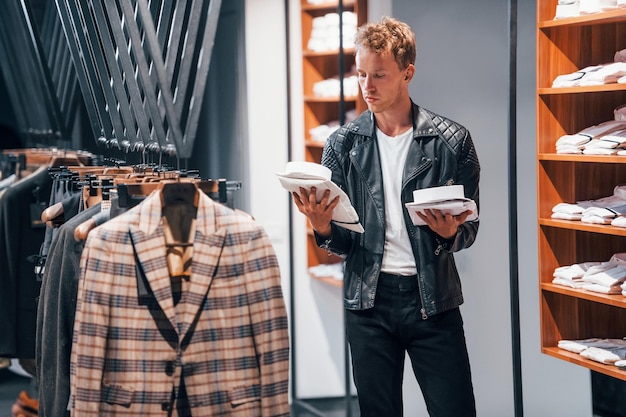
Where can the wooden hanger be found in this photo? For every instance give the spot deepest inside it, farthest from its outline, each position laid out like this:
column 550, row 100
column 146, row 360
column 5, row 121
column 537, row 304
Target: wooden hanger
column 51, row 213
column 126, row 189
column 82, row 230
column 178, row 192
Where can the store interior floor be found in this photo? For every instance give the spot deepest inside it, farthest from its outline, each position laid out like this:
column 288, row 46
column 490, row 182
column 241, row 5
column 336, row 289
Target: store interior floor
column 11, row 384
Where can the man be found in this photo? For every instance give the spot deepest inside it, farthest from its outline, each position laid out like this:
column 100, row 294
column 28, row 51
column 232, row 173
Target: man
column 402, row 290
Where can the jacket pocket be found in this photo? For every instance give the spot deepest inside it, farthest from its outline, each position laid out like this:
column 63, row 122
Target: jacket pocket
column 244, row 394
column 117, row 394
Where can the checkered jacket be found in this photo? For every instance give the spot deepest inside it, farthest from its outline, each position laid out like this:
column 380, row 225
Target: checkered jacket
column 229, row 342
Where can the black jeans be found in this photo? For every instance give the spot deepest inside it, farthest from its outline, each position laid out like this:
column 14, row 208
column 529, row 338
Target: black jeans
column 379, row 338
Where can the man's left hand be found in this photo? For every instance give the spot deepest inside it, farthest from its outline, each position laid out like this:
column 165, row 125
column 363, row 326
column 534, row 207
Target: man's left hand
column 444, row 224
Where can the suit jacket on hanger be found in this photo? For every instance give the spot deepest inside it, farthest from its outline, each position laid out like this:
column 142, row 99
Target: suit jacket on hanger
column 229, row 343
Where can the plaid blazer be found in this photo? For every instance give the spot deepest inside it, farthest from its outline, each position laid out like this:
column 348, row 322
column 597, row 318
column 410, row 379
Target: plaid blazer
column 229, row 343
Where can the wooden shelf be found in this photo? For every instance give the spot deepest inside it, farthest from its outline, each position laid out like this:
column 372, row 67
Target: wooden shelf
column 613, row 16
column 329, row 280
column 327, row 5
column 575, row 358
column 605, row 159
column 617, row 300
column 565, row 46
column 336, row 99
column 316, row 67
column 314, row 143
column 578, row 90
column 327, row 54
column 584, row 227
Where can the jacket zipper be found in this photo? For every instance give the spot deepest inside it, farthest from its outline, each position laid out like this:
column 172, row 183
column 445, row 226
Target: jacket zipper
column 426, row 164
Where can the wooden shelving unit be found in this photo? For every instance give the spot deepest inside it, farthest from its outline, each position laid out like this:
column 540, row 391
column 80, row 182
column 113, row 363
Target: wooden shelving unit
column 318, row 66
column 564, row 46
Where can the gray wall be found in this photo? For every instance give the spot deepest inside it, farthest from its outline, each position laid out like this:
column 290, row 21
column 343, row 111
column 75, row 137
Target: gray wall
column 462, row 72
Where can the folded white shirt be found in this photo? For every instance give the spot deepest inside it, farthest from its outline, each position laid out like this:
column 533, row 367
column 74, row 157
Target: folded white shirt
column 577, row 346
column 567, row 208
column 581, row 140
column 572, row 283
column 573, row 140
column 609, row 278
column 595, row 220
column 566, row 216
column 449, row 199
column 567, row 149
column 601, row 355
column 574, row 271
column 570, row 80
column 563, row 11
column 619, row 221
column 607, row 74
column 309, row 174
column 600, row 151
column 602, row 289
column 605, row 212
column 596, row 6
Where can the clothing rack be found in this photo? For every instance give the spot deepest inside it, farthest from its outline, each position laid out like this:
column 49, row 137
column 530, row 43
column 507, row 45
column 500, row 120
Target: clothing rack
column 141, row 67
column 146, row 63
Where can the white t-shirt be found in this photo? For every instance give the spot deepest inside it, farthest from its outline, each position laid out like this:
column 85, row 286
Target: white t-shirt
column 397, row 256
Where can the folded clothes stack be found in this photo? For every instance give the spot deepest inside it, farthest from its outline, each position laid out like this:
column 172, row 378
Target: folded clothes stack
column 602, row 277
column 325, row 33
column 606, row 138
column 573, row 8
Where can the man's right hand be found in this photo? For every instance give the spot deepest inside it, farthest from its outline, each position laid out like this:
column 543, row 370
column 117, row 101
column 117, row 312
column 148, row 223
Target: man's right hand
column 319, row 213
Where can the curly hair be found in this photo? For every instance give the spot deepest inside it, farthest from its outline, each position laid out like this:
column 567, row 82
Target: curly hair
column 389, row 35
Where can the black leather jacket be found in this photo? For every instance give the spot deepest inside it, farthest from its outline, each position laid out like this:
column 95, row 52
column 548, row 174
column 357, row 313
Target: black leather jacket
column 442, row 153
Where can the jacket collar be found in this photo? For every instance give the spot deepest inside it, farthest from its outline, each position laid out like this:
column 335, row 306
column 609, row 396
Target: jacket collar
column 149, row 245
column 422, row 123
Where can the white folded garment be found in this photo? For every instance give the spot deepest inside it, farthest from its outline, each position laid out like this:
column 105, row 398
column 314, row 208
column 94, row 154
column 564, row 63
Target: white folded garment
column 568, row 208
column 621, row 364
column 615, row 200
column 577, row 346
column 574, row 271
column 619, row 113
column 573, row 140
column 327, row 270
column 572, row 283
column 610, row 278
column 569, row 80
column 608, row 74
column 609, row 213
column 599, row 151
column 595, row 220
column 309, row 174
column 449, row 199
column 596, row 6
column 600, row 355
column 619, row 221
column 566, row 149
column 566, row 216
column 322, row 132
column 563, row 11
column 596, row 131
column 602, row 289
column 609, row 141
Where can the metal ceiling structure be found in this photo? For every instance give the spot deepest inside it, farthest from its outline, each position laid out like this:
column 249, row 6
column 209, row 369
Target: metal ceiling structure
column 141, row 66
